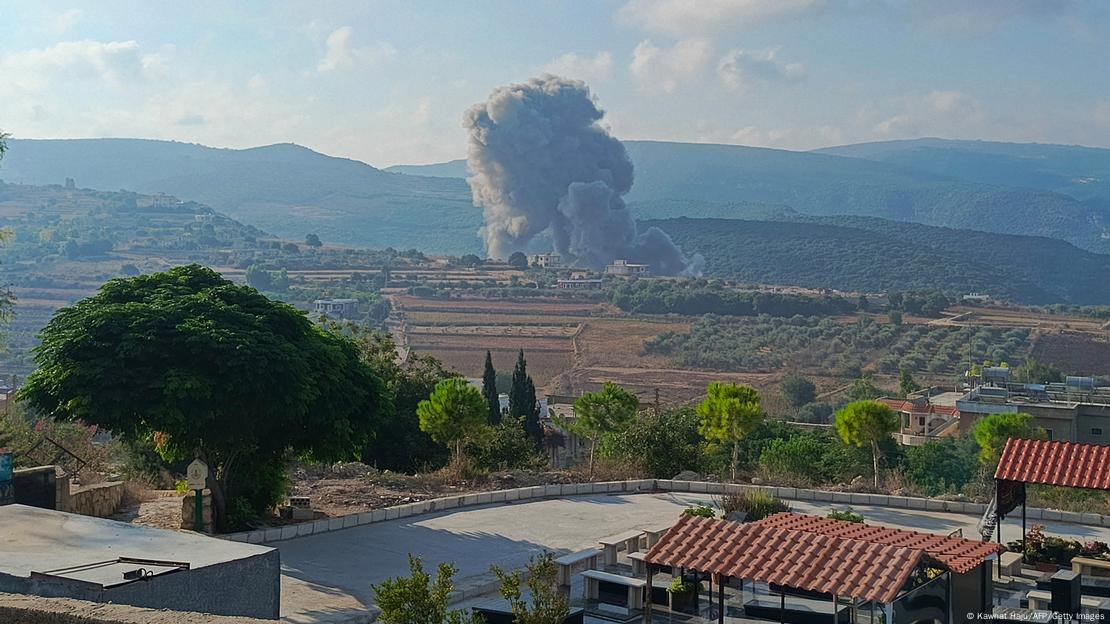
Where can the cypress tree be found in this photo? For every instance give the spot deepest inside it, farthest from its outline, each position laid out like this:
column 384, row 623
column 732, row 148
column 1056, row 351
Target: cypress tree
column 489, row 390
column 522, row 399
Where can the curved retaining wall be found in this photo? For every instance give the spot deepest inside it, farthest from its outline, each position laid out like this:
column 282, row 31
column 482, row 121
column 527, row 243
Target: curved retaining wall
column 639, row 486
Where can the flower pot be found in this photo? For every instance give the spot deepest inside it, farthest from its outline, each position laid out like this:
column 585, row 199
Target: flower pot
column 1045, row 566
column 684, row 602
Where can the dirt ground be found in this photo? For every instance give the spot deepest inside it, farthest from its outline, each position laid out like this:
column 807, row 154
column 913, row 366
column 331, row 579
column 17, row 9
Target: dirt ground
column 348, row 488
column 345, row 488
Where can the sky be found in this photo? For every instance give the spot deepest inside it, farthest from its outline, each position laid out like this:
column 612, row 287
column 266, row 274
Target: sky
column 387, row 82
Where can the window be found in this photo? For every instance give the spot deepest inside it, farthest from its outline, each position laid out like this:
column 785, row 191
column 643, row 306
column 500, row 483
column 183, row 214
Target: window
column 1048, row 433
column 1096, row 431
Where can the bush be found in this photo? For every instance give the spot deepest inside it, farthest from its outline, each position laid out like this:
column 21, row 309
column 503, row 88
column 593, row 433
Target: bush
column 942, row 465
column 797, row 457
column 504, row 447
column 756, row 505
column 701, row 511
column 681, row 585
column 662, row 445
column 846, row 516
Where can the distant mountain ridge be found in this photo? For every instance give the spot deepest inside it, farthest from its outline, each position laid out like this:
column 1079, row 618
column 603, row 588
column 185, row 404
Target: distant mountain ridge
column 291, row 190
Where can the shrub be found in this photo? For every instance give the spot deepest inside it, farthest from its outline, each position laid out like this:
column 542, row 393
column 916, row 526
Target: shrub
column 755, row 505
column 797, row 457
column 942, row 465
column 503, row 447
column 662, row 444
column 701, row 511
column 847, row 515
column 681, row 585
column 417, row 598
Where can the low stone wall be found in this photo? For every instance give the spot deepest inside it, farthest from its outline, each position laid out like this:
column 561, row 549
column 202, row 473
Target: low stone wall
column 22, row 609
column 99, row 500
column 39, row 487
column 640, row 486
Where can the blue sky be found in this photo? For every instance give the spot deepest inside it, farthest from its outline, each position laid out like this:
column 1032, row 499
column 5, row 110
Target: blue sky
column 387, row 81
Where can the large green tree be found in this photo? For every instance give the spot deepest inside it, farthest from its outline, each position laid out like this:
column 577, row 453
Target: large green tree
column 404, row 447
column 209, row 369
column 454, row 413
column 798, row 390
column 906, row 383
column 866, row 423
column 489, row 390
column 522, row 399
column 598, row 413
column 992, row 431
column 518, row 260
column 728, row 414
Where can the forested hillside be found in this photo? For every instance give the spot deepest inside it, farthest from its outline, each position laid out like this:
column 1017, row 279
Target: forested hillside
column 291, row 190
column 874, row 255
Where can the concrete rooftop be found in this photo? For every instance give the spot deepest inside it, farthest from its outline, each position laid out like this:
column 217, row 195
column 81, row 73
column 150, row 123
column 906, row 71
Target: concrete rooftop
column 40, row 540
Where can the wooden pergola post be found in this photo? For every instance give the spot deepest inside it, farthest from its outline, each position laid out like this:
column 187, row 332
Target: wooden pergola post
column 647, row 602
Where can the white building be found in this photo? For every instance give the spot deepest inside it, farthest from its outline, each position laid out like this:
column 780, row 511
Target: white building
column 545, row 261
column 336, row 308
column 626, row 268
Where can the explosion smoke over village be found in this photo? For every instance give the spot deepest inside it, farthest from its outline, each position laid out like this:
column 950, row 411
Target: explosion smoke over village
column 541, row 162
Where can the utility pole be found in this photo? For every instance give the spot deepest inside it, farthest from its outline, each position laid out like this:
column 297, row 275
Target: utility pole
column 656, row 408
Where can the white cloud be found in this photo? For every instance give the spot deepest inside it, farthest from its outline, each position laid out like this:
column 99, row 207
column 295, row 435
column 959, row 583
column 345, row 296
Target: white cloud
column 937, row 113
column 688, row 17
column 340, row 53
column 116, row 62
column 58, row 24
column 570, row 65
column 665, row 69
column 739, row 69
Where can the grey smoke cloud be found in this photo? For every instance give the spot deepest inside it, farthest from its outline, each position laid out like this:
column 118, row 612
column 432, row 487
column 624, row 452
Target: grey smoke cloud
column 541, row 162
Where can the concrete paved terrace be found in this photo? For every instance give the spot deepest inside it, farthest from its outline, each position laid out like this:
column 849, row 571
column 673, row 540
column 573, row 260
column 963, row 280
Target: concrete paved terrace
column 326, row 578
column 50, row 553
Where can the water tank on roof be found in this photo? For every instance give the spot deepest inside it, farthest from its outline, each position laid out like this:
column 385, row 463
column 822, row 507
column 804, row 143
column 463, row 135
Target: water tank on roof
column 1080, row 384
column 996, row 375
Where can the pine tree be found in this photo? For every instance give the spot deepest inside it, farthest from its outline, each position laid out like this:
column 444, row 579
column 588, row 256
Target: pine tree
column 489, row 390
column 522, row 400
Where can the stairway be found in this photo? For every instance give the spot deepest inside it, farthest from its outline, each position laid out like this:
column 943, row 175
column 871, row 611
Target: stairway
column 989, row 522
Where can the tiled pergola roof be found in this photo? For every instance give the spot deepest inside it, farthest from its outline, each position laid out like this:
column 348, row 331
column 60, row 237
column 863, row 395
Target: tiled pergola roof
column 1069, row 464
column 953, row 553
column 798, row 559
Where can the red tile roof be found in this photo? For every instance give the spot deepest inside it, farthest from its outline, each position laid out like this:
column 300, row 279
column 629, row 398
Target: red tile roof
column 798, row 559
column 954, row 553
column 908, row 407
column 1069, row 464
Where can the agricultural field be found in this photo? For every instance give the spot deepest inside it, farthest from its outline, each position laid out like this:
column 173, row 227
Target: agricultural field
column 820, row 345
column 1074, row 352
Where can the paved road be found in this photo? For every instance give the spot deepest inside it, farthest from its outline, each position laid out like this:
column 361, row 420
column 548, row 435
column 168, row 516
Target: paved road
column 326, row 578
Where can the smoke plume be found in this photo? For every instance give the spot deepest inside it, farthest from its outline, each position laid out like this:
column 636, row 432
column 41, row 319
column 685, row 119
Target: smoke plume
column 541, row 162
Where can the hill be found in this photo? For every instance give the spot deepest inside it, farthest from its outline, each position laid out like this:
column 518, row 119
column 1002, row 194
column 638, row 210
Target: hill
column 876, row 255
column 835, row 183
column 65, row 242
column 1080, row 172
column 449, row 169
column 284, row 189
column 291, row 190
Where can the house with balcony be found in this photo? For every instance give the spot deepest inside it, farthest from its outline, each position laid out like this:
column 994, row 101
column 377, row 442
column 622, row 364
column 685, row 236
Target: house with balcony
column 926, row 415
